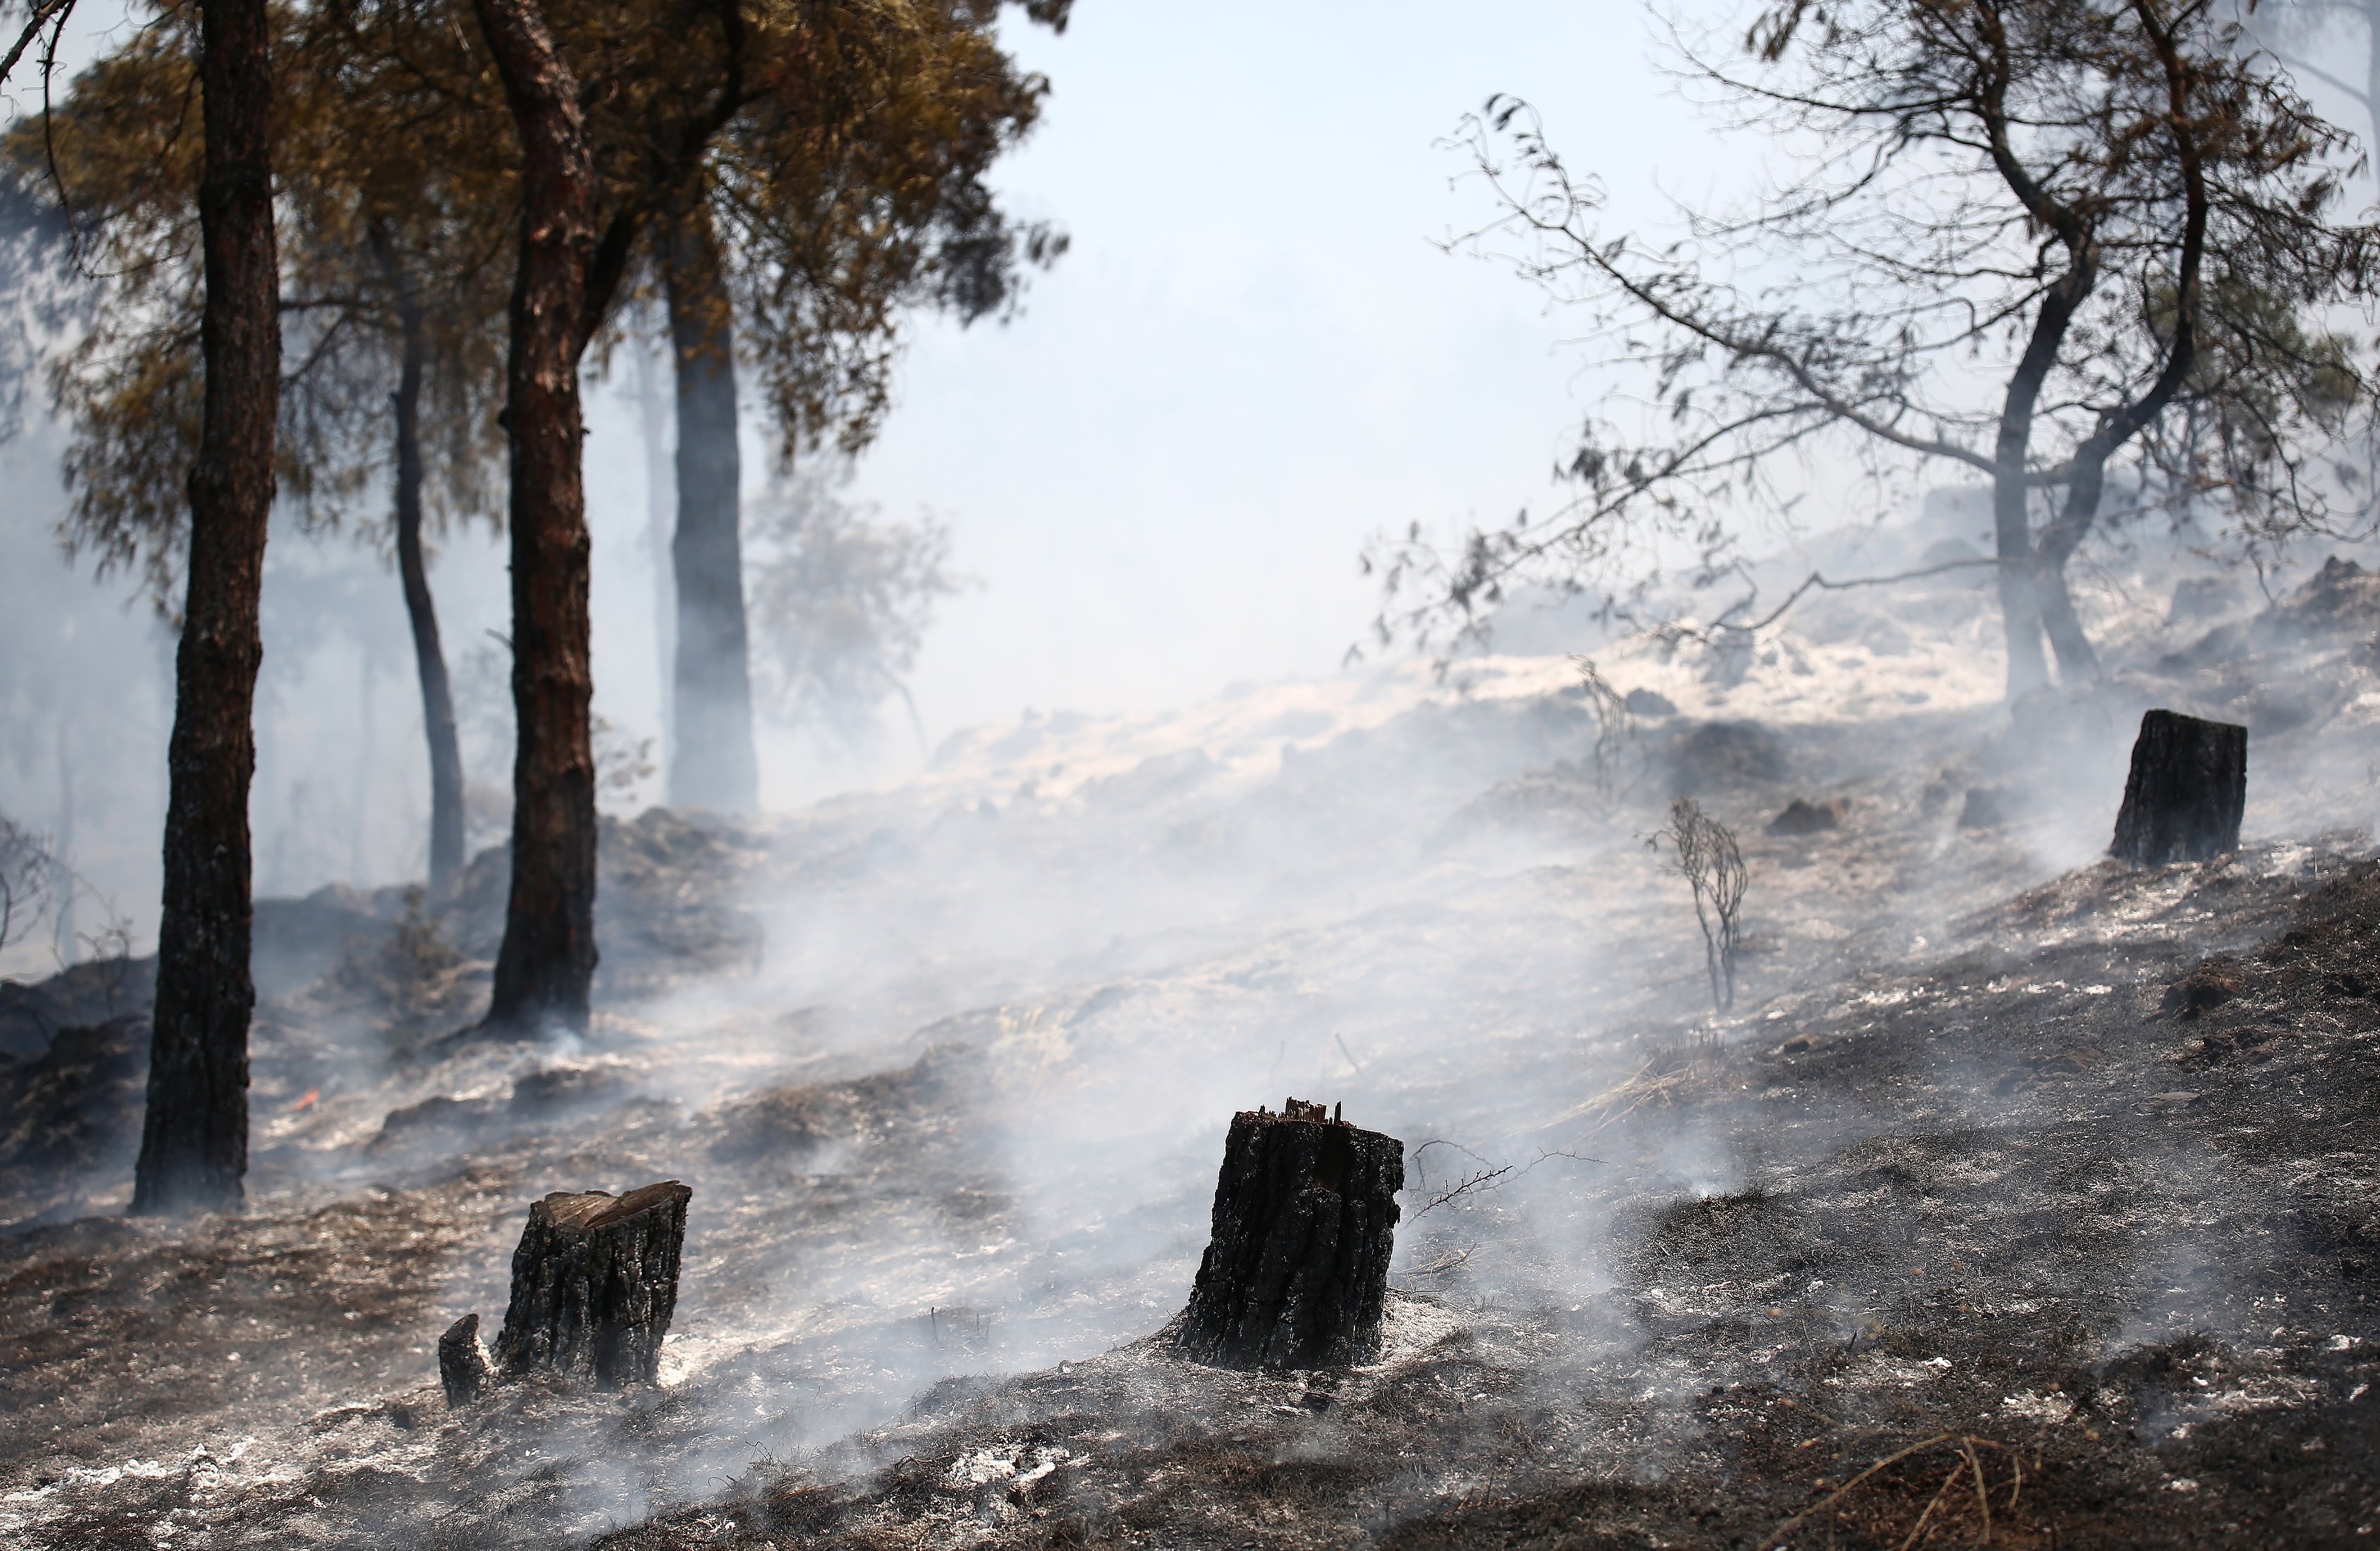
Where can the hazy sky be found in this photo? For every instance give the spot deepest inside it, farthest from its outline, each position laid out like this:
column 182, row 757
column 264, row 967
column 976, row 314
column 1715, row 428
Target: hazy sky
column 1253, row 358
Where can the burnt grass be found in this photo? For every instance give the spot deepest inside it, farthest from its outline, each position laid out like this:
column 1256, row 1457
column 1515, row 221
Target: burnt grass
column 2067, row 1240
column 2096, row 1269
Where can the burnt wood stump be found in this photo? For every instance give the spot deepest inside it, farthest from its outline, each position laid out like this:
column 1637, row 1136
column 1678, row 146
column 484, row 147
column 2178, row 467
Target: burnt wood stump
column 1296, row 1270
column 2187, row 788
column 595, row 1286
column 463, row 1363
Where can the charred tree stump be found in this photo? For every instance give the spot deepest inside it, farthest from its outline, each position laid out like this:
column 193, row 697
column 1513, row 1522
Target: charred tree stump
column 2187, row 789
column 1296, row 1272
column 463, row 1363
column 594, row 1286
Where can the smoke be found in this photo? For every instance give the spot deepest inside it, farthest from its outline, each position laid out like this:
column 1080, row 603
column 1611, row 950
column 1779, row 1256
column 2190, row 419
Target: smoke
column 948, row 1064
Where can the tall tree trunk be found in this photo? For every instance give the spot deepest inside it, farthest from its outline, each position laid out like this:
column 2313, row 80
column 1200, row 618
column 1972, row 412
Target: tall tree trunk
column 547, row 963
column 2078, row 663
column 661, row 499
column 429, row 656
column 2020, row 582
column 2028, row 666
column 194, row 1143
column 713, row 762
column 2077, row 660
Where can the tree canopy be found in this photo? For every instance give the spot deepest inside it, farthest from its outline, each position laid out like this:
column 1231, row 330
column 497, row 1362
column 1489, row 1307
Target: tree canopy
column 2035, row 241
column 848, row 184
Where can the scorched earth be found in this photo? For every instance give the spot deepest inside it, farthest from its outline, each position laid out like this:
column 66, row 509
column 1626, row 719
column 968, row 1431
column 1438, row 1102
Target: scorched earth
column 2021, row 1199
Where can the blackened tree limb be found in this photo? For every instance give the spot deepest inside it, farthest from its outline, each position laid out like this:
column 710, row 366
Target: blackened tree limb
column 463, row 1368
column 194, row 1142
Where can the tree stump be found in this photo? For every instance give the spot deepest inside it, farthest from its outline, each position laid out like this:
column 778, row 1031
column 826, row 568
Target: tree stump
column 2188, row 787
column 463, row 1363
column 594, row 1286
column 1296, row 1271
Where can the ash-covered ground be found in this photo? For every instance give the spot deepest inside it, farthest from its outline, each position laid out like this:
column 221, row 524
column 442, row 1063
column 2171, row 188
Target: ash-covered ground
column 2021, row 1199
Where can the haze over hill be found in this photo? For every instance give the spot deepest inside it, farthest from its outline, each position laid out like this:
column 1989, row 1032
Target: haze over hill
column 947, row 1067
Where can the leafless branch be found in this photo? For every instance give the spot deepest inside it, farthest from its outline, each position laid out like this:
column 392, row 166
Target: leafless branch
column 1702, row 851
column 1485, row 1177
column 46, row 13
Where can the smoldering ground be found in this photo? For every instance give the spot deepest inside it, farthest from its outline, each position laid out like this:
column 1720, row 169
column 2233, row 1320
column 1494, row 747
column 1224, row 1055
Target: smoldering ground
column 1956, row 1213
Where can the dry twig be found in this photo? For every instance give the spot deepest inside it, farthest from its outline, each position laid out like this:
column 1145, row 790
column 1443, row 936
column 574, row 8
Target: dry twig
column 1970, row 1462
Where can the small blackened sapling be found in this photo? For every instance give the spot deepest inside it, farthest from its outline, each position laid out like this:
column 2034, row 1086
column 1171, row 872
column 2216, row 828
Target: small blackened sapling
column 1703, row 852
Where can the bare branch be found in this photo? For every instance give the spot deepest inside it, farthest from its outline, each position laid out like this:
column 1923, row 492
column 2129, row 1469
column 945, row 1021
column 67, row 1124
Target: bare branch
column 44, row 13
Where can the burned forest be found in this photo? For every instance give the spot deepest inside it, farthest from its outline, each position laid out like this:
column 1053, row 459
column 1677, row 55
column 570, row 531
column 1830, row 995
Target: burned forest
column 772, row 782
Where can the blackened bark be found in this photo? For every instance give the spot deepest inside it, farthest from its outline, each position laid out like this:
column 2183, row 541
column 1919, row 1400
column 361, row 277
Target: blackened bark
column 595, row 1286
column 429, row 656
column 2021, row 625
column 1296, row 1270
column 463, row 1369
column 547, row 962
column 2078, row 661
column 2186, row 792
column 2021, row 578
column 713, row 763
column 2020, row 584
column 194, row 1142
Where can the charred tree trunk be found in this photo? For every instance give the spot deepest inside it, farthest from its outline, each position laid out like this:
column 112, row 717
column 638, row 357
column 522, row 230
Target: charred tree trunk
column 1296, row 1270
column 2021, row 607
column 429, row 655
column 713, row 763
column 194, row 1142
column 547, row 963
column 2078, row 661
column 2021, row 624
column 2187, row 791
column 594, row 1286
